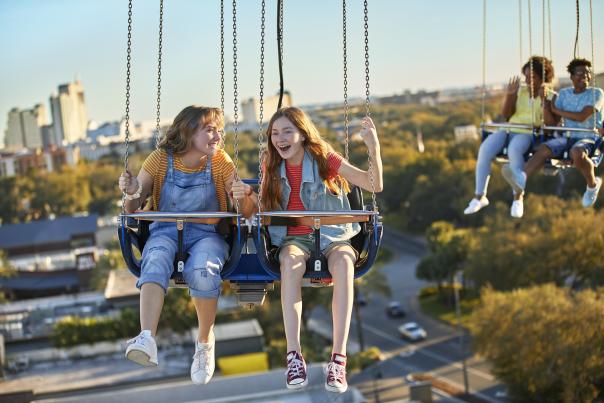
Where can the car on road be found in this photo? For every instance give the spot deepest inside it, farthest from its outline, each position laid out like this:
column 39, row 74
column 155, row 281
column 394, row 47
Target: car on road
column 395, row 310
column 412, row 331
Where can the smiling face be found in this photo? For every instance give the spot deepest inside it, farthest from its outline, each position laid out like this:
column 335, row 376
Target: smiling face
column 206, row 138
column 580, row 77
column 288, row 140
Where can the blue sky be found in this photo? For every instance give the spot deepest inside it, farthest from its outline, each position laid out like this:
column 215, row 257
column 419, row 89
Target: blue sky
column 414, row 44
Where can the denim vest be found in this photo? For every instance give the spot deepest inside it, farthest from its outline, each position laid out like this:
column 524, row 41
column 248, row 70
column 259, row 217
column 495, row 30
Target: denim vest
column 315, row 196
column 188, row 192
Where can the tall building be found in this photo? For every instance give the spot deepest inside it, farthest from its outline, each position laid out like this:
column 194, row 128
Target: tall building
column 24, row 128
column 69, row 116
column 250, row 108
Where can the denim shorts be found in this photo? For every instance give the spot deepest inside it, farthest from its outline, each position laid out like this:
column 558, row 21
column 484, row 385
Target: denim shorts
column 561, row 144
column 207, row 253
column 306, row 243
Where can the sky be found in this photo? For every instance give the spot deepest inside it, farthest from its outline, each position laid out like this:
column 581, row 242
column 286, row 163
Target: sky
column 413, row 44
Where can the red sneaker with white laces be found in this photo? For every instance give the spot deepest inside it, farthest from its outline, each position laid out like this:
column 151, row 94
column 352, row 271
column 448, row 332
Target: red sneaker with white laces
column 296, row 371
column 336, row 374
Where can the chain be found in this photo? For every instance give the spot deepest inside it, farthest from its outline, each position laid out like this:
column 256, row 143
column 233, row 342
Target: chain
column 345, row 52
column 531, row 69
column 161, row 28
column 520, row 30
column 261, row 117
column 484, row 59
column 128, row 64
column 576, row 50
column 281, row 18
column 367, row 101
column 593, row 62
column 549, row 28
column 235, row 101
column 543, row 83
column 222, row 56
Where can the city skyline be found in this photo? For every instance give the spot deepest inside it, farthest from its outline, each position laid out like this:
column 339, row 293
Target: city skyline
column 43, row 55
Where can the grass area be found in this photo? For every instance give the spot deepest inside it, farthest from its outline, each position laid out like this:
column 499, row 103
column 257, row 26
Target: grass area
column 434, row 306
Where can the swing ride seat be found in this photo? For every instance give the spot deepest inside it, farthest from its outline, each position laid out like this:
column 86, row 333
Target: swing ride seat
column 133, row 233
column 366, row 243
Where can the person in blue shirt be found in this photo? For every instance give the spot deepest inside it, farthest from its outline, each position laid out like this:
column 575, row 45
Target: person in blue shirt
column 576, row 106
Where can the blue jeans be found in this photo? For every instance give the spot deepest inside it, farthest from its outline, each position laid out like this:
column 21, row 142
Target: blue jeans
column 561, row 144
column 518, row 145
column 207, row 253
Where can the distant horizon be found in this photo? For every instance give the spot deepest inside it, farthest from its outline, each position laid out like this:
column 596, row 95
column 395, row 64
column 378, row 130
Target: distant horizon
column 42, row 41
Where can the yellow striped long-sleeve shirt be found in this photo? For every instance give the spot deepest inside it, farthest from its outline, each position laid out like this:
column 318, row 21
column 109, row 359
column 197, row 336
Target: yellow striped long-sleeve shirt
column 156, row 165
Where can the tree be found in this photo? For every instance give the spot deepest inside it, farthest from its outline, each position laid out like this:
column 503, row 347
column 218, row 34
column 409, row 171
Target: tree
column 546, row 343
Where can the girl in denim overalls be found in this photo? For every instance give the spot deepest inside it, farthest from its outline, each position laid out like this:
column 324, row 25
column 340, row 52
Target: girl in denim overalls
column 302, row 172
column 189, row 172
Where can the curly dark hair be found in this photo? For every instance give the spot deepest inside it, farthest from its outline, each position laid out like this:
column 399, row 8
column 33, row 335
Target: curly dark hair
column 576, row 63
column 540, row 65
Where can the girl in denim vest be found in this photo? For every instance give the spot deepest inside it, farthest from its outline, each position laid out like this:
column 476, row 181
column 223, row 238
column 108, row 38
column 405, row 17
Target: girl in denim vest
column 302, row 172
column 188, row 172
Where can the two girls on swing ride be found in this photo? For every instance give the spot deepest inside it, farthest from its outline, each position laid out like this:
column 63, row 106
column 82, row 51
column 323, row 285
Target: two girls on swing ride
column 575, row 106
column 189, row 172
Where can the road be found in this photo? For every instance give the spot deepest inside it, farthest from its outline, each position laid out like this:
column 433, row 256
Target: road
column 440, row 353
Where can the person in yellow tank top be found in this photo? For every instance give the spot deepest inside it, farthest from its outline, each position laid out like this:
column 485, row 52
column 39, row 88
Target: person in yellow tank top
column 522, row 104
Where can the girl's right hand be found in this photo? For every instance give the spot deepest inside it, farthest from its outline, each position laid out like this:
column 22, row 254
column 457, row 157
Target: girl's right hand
column 513, row 85
column 369, row 133
column 128, row 183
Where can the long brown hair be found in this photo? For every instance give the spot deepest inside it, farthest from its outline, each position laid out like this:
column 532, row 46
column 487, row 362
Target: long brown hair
column 179, row 136
column 314, row 144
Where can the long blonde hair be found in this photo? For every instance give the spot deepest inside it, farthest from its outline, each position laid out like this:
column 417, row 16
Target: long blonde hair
column 179, row 136
column 314, row 144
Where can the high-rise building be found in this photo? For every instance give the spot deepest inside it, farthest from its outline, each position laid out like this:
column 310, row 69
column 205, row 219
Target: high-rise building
column 69, row 116
column 250, row 108
column 24, row 128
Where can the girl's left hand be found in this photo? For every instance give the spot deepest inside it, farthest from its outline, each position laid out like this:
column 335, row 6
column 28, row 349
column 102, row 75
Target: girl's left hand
column 369, row 133
column 240, row 190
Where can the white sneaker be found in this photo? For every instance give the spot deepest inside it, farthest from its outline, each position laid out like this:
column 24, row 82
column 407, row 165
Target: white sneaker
column 203, row 364
column 142, row 349
column 476, row 205
column 516, row 180
column 517, row 210
column 591, row 194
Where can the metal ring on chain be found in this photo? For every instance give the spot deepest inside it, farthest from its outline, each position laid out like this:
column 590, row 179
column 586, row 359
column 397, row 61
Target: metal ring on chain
column 345, row 53
column 127, row 117
column 261, row 116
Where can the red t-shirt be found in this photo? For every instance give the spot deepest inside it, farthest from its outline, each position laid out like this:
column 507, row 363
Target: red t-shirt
column 294, row 177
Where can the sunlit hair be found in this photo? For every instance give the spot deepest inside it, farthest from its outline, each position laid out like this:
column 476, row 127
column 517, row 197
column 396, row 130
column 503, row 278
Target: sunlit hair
column 541, row 65
column 577, row 63
column 314, row 144
column 179, row 136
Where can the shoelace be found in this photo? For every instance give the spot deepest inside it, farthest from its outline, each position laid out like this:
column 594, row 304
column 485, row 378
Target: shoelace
column 336, row 372
column 138, row 339
column 295, row 367
column 202, row 356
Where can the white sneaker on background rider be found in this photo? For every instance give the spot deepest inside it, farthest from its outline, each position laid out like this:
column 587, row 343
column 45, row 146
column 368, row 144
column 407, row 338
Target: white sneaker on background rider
column 202, row 368
column 517, row 210
column 517, row 180
column 476, row 205
column 591, row 194
column 142, row 349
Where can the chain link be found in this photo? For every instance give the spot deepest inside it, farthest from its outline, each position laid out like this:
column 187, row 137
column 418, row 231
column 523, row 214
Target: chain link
column 345, row 53
column 531, row 68
column 161, row 31
column 222, row 57
column 593, row 62
column 261, row 116
column 127, row 117
column 367, row 101
column 484, row 61
column 520, row 31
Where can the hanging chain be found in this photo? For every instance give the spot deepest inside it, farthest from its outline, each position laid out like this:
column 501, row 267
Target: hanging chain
column 345, row 52
column 222, row 57
column 128, row 64
column 531, row 69
column 593, row 62
column 281, row 18
column 484, row 60
column 576, row 50
column 261, row 116
column 549, row 28
column 543, row 82
column 235, row 101
column 367, row 100
column 520, row 30
column 161, row 28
